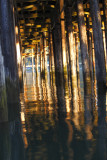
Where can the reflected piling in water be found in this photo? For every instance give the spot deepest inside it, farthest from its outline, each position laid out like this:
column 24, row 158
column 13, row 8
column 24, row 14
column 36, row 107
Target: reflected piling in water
column 5, row 147
column 77, row 70
column 102, row 123
column 88, row 117
column 48, row 84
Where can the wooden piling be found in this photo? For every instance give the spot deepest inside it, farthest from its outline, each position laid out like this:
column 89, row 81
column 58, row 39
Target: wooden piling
column 9, row 54
column 73, row 72
column 58, row 63
column 3, row 96
column 63, row 35
column 83, row 41
column 98, row 43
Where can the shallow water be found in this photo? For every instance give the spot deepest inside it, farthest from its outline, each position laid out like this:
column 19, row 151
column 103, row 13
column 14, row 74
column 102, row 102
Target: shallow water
column 51, row 132
column 54, row 134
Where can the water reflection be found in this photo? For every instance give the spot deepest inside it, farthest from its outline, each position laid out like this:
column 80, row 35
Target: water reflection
column 11, row 141
column 56, row 132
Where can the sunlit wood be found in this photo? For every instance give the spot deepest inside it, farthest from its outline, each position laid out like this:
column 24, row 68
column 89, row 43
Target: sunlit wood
column 63, row 33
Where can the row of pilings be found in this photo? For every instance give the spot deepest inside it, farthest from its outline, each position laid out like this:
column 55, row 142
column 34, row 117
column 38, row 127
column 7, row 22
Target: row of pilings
column 74, row 24
column 78, row 29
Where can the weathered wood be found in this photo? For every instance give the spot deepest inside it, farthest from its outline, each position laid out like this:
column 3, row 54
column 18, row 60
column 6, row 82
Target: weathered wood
column 105, row 23
column 98, row 43
column 58, row 63
column 19, row 57
column 83, row 44
column 68, row 22
column 57, row 49
column 77, row 70
column 73, row 72
column 52, row 54
column 9, row 54
column 105, row 14
column 3, row 96
column 63, row 36
column 59, row 69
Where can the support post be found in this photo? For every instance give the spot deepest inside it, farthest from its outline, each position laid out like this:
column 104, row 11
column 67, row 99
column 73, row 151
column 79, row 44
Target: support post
column 3, row 96
column 58, row 63
column 98, row 44
column 62, row 16
column 9, row 54
column 83, row 45
column 73, row 72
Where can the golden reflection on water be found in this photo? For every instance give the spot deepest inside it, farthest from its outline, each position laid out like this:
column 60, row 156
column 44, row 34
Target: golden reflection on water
column 48, row 130
column 67, row 94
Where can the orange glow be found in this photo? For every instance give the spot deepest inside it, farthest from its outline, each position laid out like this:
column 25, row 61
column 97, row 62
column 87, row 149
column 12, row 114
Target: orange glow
column 18, row 53
column 16, row 30
column 63, row 33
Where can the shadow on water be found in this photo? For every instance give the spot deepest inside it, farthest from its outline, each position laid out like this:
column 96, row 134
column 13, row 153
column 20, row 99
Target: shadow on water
column 11, row 141
column 102, row 142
